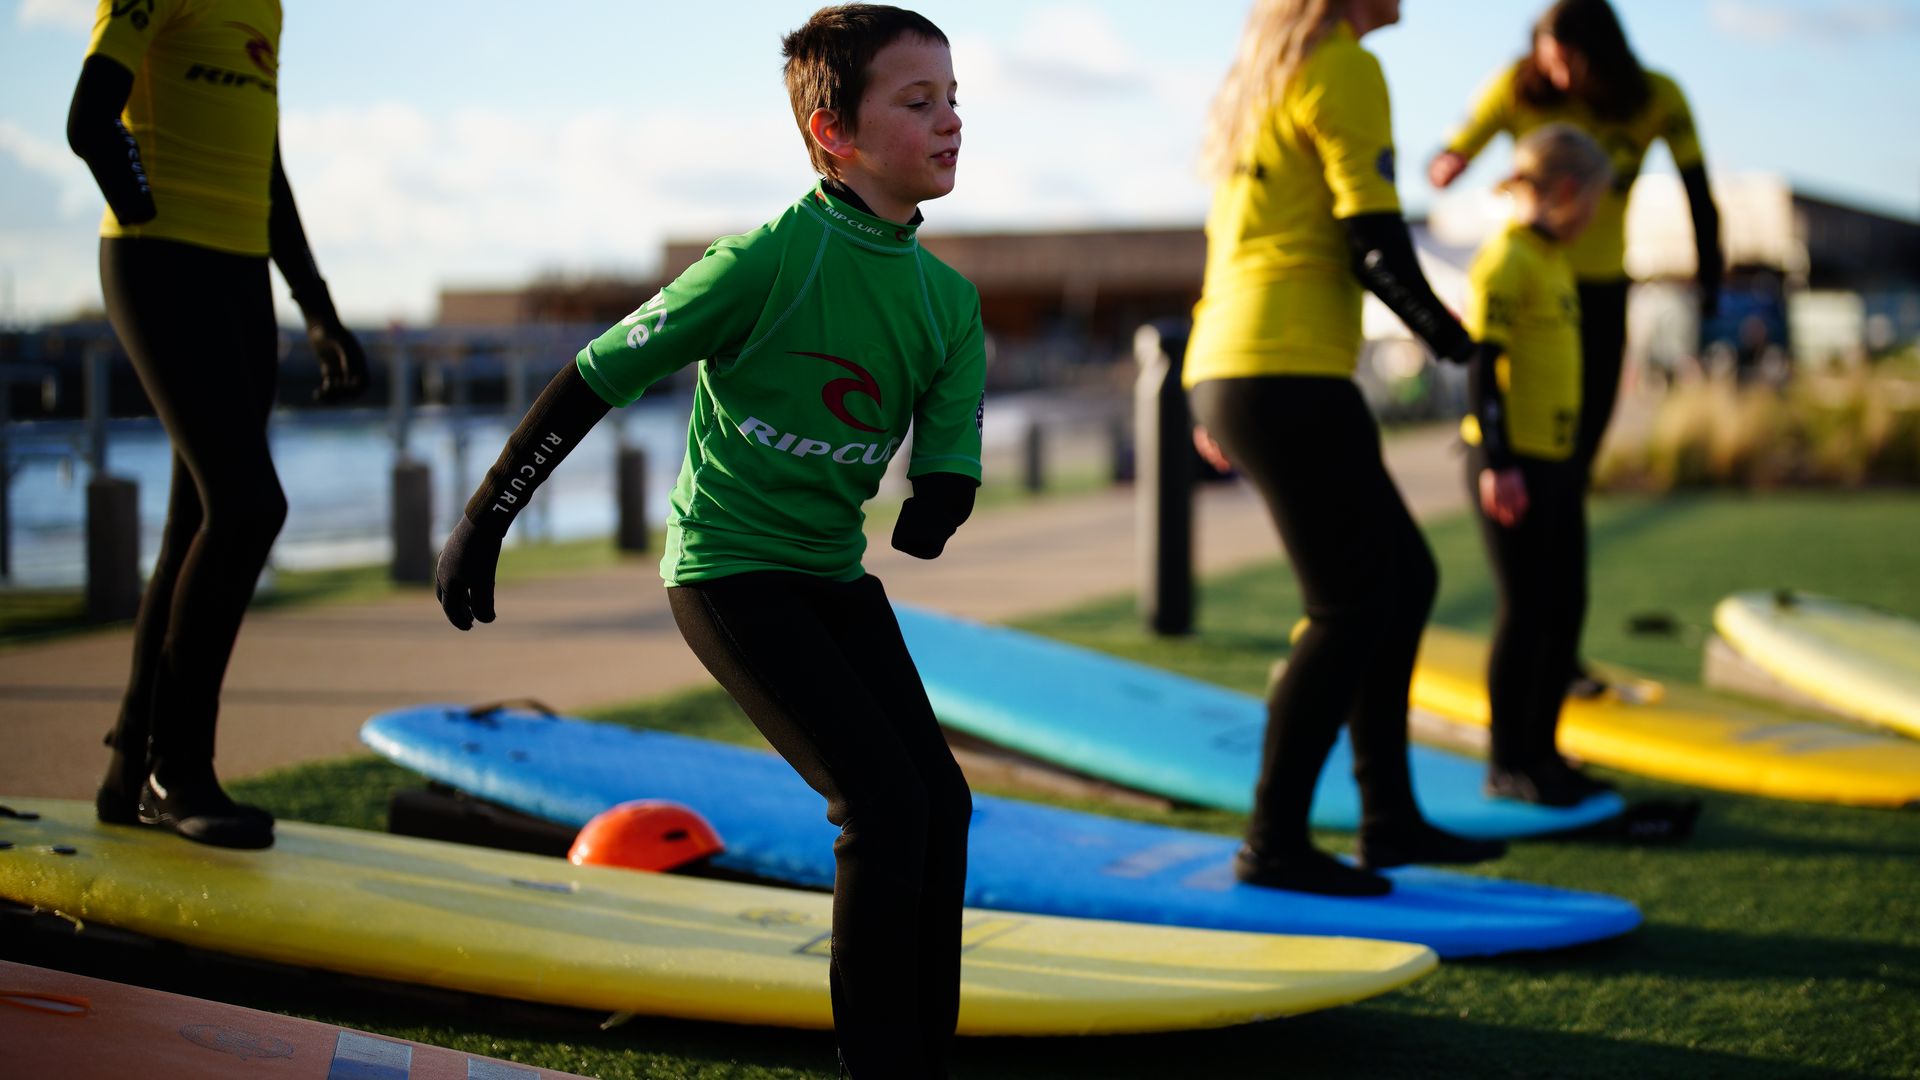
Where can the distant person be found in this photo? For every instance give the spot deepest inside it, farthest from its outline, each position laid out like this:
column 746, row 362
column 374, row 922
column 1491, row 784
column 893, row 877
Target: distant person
column 1522, row 437
column 176, row 115
column 1304, row 216
column 1581, row 71
column 820, row 338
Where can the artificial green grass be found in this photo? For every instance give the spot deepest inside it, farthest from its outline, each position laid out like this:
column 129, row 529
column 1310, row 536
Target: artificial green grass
column 1782, row 940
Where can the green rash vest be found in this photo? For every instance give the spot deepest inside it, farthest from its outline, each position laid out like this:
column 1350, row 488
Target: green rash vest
column 821, row 336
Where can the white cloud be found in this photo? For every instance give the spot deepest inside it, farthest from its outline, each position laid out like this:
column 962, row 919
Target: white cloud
column 76, row 15
column 1844, row 20
column 55, row 162
column 397, row 203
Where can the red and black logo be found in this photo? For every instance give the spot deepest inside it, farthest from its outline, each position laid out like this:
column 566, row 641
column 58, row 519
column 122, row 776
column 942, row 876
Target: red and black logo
column 259, row 49
column 834, row 394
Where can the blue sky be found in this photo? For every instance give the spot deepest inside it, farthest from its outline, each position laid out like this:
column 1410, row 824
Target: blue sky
column 436, row 142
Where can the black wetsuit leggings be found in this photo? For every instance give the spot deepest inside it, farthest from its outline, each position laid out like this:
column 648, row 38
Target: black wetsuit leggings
column 1540, row 575
column 1311, row 447
column 1603, row 342
column 199, row 327
column 820, row 668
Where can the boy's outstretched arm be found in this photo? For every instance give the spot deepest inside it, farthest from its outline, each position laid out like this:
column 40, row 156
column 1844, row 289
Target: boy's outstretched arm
column 560, row 418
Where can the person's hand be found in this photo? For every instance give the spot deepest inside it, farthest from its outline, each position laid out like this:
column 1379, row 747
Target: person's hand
column 1503, row 495
column 1210, row 451
column 1445, row 168
column 463, row 580
column 343, row 363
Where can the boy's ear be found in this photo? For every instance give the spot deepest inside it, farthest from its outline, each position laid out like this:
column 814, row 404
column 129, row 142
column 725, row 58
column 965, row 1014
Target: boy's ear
column 830, row 134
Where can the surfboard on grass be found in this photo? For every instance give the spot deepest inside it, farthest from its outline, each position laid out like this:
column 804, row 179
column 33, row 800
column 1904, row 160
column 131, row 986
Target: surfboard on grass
column 1687, row 736
column 68, row 1027
column 1171, row 735
column 1857, row 660
column 541, row 929
column 1021, row 856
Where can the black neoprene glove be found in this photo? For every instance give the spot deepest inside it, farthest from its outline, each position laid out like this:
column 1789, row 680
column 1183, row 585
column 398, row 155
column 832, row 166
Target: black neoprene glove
column 940, row 503
column 463, row 580
column 343, row 363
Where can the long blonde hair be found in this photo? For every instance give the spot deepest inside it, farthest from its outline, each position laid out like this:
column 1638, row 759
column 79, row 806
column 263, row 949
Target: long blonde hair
column 1278, row 36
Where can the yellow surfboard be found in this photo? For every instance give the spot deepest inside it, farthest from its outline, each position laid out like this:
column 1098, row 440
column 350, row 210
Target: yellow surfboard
column 542, row 929
column 1674, row 733
column 1853, row 659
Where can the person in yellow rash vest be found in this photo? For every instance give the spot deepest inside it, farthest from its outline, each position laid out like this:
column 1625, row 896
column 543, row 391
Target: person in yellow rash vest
column 176, row 114
column 1580, row 70
column 1305, row 216
column 1521, row 469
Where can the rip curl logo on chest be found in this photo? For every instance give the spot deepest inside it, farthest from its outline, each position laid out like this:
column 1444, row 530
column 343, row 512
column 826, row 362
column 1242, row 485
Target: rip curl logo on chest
column 834, row 394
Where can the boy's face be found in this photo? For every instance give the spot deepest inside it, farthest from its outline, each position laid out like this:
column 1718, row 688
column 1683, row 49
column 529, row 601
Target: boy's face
column 908, row 139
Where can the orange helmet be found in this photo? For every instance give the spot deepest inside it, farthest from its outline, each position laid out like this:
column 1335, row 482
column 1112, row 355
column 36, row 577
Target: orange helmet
column 646, row 834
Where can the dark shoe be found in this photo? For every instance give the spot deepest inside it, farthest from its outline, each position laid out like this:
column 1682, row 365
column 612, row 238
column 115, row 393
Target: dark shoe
column 1308, row 870
column 1380, row 848
column 1588, row 786
column 1542, row 785
column 194, row 806
column 118, row 800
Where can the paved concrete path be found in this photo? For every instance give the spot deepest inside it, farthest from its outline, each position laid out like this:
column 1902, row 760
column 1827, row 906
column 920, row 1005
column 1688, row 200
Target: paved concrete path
column 302, row 680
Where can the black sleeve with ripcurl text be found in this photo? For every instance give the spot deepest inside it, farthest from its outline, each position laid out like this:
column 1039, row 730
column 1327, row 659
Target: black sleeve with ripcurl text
column 1382, row 256
column 559, row 419
column 96, row 134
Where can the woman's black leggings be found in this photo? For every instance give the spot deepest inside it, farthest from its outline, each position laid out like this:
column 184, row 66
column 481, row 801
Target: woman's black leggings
column 1311, row 447
column 820, row 668
column 1603, row 342
column 199, row 327
column 1540, row 573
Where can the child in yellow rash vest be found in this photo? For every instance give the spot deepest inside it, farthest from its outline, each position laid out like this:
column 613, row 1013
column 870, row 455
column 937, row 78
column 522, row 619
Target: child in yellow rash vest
column 1522, row 433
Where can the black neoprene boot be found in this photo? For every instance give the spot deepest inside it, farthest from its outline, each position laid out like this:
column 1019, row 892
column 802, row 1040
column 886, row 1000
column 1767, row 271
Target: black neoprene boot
column 118, row 800
column 1383, row 846
column 187, row 799
column 1307, row 869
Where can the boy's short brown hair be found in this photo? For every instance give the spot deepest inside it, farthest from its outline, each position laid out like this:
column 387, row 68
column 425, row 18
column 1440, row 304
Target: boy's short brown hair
column 828, row 58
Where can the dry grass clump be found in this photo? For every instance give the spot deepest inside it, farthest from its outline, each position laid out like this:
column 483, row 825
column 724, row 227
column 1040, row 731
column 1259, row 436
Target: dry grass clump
column 1852, row 429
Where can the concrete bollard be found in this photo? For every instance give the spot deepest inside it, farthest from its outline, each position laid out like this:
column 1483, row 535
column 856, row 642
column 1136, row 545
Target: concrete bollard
column 1163, row 492
column 1034, row 445
column 113, row 548
column 630, row 489
column 415, row 549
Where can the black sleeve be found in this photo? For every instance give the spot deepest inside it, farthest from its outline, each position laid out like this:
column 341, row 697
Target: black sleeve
column 940, row 504
column 1383, row 260
column 1706, row 236
column 287, row 239
column 1489, row 405
column 560, row 418
column 95, row 133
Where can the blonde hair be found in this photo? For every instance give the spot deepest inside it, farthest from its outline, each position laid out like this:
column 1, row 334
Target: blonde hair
column 1555, row 152
column 1278, row 36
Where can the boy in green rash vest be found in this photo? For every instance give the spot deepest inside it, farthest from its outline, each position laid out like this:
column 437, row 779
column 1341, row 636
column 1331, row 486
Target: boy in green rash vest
column 820, row 338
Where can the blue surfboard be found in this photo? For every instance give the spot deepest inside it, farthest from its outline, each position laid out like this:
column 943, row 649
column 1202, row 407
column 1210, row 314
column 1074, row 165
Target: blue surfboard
column 1021, row 856
column 1188, row 740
